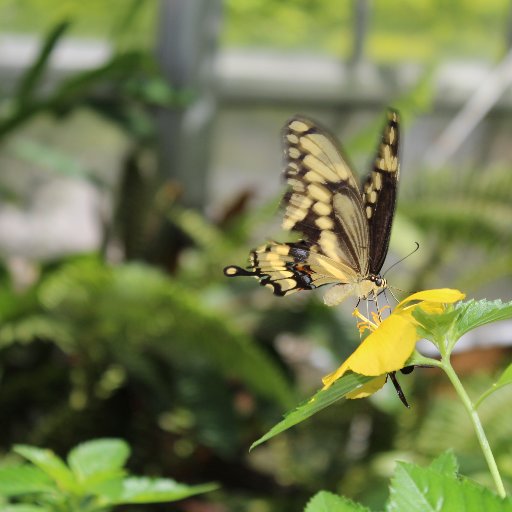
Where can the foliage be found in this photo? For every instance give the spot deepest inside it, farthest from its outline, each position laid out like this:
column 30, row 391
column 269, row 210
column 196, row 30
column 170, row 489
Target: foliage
column 437, row 487
column 401, row 31
column 456, row 213
column 126, row 326
column 93, row 480
column 443, row 327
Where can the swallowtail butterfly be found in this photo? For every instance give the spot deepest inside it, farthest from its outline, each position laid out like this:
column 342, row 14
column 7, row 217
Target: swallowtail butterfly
column 345, row 228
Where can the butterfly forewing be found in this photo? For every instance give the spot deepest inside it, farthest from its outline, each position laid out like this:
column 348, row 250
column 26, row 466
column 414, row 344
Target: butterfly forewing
column 380, row 190
column 323, row 201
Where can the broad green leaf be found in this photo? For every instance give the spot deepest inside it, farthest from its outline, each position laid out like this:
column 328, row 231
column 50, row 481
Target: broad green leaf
column 446, row 463
column 328, row 502
column 504, row 380
column 477, row 313
column 19, row 480
column 98, row 457
column 108, row 489
column 319, row 401
column 157, row 490
column 415, row 489
column 50, row 463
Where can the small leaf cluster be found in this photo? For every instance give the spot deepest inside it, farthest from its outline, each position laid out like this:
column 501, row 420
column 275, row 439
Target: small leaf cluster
column 93, row 480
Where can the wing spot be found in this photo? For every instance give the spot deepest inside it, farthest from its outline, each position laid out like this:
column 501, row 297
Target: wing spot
column 319, row 192
column 322, row 209
column 287, row 284
column 391, row 135
column 329, row 244
column 291, row 137
column 297, row 185
column 292, row 168
column 324, row 223
column 377, row 181
column 372, row 197
column 314, row 177
column 369, row 212
column 298, row 126
column 293, row 153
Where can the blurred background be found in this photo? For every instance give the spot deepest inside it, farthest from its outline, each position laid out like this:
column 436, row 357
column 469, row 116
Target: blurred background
column 140, row 154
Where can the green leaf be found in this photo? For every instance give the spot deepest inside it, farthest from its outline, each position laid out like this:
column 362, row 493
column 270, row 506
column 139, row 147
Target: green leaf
column 50, row 463
column 415, row 489
column 505, row 377
column 504, row 380
column 98, row 457
column 33, row 75
column 319, row 401
column 476, row 313
column 157, row 490
column 327, row 502
column 434, row 326
column 446, row 463
column 25, row 508
column 19, row 480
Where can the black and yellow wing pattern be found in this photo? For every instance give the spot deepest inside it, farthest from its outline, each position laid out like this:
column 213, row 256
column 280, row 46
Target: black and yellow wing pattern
column 345, row 230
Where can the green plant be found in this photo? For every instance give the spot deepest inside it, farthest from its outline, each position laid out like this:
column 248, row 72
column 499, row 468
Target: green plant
column 93, row 480
column 389, row 348
column 417, row 489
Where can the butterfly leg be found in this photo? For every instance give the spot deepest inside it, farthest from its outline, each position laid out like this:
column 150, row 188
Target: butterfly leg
column 377, row 307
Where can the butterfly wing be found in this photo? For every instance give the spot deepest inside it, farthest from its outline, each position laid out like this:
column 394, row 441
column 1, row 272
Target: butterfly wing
column 380, row 190
column 323, row 201
column 346, row 232
column 291, row 267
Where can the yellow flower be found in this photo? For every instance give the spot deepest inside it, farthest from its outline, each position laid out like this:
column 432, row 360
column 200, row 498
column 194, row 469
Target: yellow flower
column 391, row 342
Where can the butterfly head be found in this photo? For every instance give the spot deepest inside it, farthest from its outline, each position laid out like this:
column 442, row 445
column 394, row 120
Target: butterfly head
column 378, row 281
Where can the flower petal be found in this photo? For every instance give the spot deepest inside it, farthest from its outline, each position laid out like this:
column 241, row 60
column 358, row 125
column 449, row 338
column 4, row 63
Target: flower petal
column 368, row 389
column 384, row 350
column 440, row 295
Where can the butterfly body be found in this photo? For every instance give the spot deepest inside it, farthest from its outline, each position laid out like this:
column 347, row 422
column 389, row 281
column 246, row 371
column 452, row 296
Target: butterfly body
column 345, row 230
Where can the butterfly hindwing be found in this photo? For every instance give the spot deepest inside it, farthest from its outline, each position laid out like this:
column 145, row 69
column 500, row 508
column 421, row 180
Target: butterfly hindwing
column 380, row 190
column 291, row 267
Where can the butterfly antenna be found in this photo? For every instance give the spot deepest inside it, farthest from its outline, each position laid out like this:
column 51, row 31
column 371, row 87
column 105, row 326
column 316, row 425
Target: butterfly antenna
column 402, row 259
column 393, row 295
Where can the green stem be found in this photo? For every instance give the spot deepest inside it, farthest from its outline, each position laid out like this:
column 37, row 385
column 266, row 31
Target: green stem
column 475, row 419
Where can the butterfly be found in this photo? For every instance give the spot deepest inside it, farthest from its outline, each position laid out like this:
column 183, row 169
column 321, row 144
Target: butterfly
column 345, row 228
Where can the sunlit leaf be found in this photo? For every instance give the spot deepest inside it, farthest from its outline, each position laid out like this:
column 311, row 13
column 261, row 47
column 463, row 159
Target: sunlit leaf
column 328, row 502
column 446, row 463
column 477, row 313
column 50, row 463
column 19, row 480
column 319, row 401
column 98, row 456
column 415, row 489
column 157, row 490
